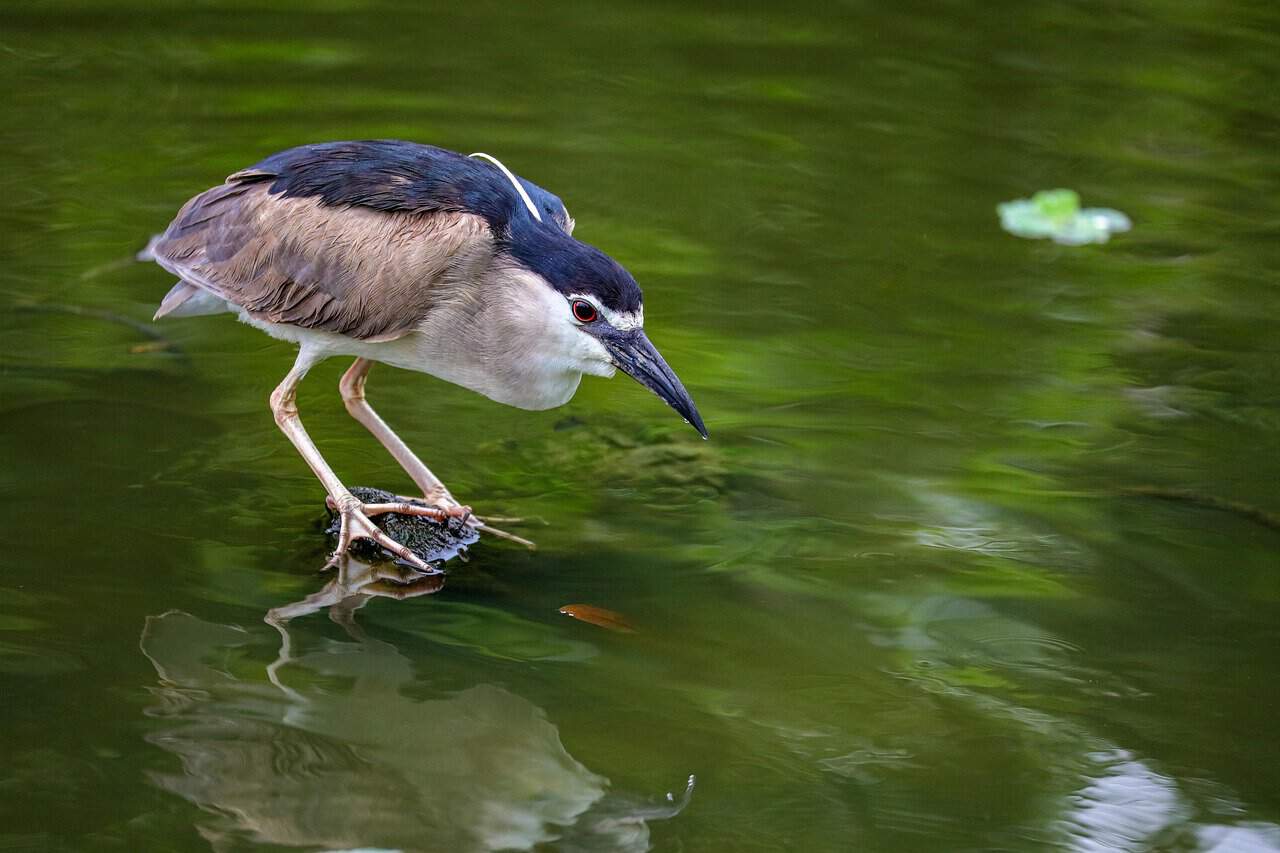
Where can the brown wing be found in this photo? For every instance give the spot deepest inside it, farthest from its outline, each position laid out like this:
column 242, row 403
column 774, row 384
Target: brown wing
column 359, row 272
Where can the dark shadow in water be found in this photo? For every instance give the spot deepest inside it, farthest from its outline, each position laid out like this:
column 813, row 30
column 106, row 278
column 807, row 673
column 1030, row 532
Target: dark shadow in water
column 328, row 749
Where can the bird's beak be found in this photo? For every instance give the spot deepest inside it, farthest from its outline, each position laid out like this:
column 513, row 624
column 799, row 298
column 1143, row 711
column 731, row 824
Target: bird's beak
column 636, row 355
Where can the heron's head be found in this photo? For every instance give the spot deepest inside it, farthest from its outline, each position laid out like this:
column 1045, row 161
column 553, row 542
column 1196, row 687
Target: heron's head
column 597, row 312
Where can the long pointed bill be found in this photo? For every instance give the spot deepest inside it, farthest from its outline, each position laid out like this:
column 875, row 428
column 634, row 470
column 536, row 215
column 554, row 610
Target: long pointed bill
column 635, row 355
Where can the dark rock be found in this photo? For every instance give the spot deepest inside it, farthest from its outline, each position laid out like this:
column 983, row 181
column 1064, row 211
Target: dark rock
column 433, row 541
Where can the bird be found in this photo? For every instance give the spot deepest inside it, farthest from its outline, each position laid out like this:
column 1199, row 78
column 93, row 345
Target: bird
column 417, row 257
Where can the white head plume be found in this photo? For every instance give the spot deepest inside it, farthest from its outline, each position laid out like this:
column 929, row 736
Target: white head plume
column 515, row 182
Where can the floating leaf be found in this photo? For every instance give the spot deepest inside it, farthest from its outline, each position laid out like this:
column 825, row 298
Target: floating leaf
column 599, row 617
column 1056, row 205
column 1056, row 214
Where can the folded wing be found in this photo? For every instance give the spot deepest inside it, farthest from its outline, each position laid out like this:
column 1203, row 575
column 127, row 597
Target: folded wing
column 355, row 270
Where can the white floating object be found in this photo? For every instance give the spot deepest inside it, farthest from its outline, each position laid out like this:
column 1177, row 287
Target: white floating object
column 1056, row 215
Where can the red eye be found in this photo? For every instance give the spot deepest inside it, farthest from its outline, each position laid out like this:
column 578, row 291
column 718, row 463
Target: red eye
column 584, row 311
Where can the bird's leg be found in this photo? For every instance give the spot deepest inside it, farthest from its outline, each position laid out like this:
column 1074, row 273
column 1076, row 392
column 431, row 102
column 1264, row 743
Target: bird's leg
column 352, row 388
column 433, row 491
column 355, row 523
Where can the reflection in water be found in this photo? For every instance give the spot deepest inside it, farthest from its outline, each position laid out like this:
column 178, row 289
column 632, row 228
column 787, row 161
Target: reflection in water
column 355, row 583
column 332, row 753
column 1128, row 806
column 1107, row 798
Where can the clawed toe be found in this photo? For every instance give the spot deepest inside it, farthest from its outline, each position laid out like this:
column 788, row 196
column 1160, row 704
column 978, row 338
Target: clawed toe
column 502, row 534
column 441, row 513
column 355, row 524
column 481, row 523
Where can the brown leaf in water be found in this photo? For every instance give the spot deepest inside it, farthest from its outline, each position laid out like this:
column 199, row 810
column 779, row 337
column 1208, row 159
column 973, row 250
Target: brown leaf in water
column 599, row 617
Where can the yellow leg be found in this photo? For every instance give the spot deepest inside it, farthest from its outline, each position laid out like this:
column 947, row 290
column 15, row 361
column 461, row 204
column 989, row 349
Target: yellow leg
column 355, row 522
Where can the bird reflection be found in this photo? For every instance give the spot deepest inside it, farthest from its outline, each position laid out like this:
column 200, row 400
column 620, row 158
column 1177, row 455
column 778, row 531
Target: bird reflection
column 337, row 749
column 355, row 584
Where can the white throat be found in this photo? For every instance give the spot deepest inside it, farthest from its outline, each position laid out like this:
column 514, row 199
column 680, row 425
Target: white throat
column 512, row 339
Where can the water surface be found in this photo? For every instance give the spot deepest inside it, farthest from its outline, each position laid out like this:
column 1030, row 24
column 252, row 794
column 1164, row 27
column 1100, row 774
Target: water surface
column 981, row 555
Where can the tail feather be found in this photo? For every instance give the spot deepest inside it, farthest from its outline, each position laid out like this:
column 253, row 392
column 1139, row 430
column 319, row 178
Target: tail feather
column 187, row 300
column 147, row 253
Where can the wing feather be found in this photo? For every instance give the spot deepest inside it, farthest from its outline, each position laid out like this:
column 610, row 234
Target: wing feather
column 350, row 269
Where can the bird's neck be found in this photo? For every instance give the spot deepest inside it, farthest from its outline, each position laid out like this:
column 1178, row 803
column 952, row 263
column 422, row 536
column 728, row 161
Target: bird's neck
column 506, row 336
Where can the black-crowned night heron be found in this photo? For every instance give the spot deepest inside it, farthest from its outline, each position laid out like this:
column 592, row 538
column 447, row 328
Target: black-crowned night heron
column 420, row 258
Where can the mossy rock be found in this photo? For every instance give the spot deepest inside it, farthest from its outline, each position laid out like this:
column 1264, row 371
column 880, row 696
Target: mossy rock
column 433, row 541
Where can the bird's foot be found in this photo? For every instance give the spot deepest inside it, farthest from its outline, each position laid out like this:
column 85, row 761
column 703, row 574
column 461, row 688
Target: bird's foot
column 355, row 524
column 446, row 502
column 482, row 524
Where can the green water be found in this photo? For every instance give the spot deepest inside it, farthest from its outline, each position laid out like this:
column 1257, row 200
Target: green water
column 976, row 558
